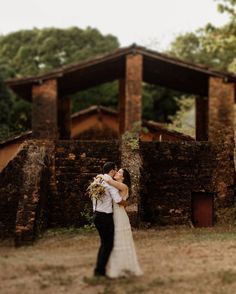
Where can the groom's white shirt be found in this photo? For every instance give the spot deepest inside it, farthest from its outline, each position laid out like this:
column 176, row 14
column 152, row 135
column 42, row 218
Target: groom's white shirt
column 105, row 204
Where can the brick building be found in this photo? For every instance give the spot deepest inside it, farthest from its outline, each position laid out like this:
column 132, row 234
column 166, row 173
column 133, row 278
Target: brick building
column 173, row 182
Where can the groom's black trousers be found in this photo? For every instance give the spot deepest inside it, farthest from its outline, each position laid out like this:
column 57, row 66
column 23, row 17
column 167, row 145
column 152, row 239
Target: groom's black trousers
column 105, row 226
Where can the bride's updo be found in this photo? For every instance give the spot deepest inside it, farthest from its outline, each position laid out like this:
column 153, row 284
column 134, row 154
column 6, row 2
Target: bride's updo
column 126, row 176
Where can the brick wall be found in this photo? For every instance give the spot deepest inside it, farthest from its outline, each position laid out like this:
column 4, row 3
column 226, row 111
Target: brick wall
column 32, row 211
column 40, row 188
column 76, row 163
column 171, row 172
column 56, row 197
column 11, row 180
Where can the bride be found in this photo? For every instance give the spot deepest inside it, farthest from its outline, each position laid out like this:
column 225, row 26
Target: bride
column 123, row 259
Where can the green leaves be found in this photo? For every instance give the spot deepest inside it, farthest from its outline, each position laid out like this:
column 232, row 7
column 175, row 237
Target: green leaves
column 227, row 6
column 210, row 46
column 33, row 52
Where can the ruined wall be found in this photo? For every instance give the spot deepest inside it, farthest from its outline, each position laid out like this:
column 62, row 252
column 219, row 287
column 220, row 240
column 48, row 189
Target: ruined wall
column 45, row 184
column 76, row 163
column 24, row 191
column 11, row 180
column 171, row 172
column 32, row 211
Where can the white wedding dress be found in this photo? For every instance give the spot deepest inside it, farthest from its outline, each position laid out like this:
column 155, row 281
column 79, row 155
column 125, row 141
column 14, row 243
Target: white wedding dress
column 123, row 260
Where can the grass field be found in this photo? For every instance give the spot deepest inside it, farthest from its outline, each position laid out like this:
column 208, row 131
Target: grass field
column 174, row 260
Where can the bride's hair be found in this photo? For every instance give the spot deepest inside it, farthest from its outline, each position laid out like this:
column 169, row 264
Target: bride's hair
column 126, row 175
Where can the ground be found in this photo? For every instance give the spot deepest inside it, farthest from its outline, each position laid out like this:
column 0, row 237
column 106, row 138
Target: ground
column 174, row 260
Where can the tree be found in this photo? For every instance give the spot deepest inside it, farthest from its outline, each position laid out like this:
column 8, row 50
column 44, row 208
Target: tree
column 33, row 52
column 15, row 113
column 5, row 106
column 227, row 6
column 159, row 104
column 184, row 119
column 210, row 46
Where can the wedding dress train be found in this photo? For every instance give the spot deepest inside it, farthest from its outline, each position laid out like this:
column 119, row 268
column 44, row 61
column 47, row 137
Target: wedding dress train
column 123, row 260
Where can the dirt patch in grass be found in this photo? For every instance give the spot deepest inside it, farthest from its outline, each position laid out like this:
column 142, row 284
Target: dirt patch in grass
column 174, row 260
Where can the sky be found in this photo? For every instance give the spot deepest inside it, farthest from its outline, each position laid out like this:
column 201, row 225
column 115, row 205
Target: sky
column 150, row 23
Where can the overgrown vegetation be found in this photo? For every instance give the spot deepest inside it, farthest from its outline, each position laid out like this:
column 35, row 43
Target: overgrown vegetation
column 87, row 213
column 131, row 138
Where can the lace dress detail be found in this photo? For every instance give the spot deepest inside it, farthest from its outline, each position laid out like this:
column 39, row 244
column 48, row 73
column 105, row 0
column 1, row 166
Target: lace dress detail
column 123, row 260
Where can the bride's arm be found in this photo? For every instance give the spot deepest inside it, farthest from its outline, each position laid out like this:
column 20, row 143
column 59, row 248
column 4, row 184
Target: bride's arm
column 120, row 186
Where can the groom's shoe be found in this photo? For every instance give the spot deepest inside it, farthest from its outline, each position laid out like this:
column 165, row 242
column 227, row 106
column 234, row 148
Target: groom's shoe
column 99, row 274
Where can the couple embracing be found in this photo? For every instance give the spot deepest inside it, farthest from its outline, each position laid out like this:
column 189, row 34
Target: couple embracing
column 117, row 255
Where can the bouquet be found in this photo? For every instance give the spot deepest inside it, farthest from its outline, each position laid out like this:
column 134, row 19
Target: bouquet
column 95, row 190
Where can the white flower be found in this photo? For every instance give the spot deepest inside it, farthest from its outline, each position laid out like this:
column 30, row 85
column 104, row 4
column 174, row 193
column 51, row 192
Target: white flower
column 96, row 190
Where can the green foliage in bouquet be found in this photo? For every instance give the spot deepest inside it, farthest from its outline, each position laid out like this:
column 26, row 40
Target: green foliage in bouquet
column 96, row 190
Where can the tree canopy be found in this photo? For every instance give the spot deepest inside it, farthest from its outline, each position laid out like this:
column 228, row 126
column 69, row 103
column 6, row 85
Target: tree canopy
column 212, row 46
column 32, row 52
column 227, row 6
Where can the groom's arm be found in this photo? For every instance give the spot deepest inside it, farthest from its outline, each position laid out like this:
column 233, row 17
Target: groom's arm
column 116, row 196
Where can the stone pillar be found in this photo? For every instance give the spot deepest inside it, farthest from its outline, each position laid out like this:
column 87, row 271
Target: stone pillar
column 44, row 110
column 221, row 111
column 221, row 134
column 201, row 118
column 130, row 93
column 64, row 118
column 132, row 161
column 130, row 113
column 121, row 106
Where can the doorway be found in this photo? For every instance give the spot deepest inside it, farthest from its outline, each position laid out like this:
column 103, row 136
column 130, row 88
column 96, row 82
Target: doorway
column 202, row 209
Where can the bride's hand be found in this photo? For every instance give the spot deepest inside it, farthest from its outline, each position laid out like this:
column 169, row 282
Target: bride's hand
column 101, row 176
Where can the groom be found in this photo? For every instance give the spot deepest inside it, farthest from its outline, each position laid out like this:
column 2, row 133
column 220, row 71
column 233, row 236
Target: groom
column 103, row 219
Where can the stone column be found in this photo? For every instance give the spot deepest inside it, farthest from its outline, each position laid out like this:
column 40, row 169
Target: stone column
column 130, row 113
column 221, row 111
column 64, row 118
column 130, row 93
column 201, row 118
column 121, row 106
column 44, row 110
column 221, row 135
